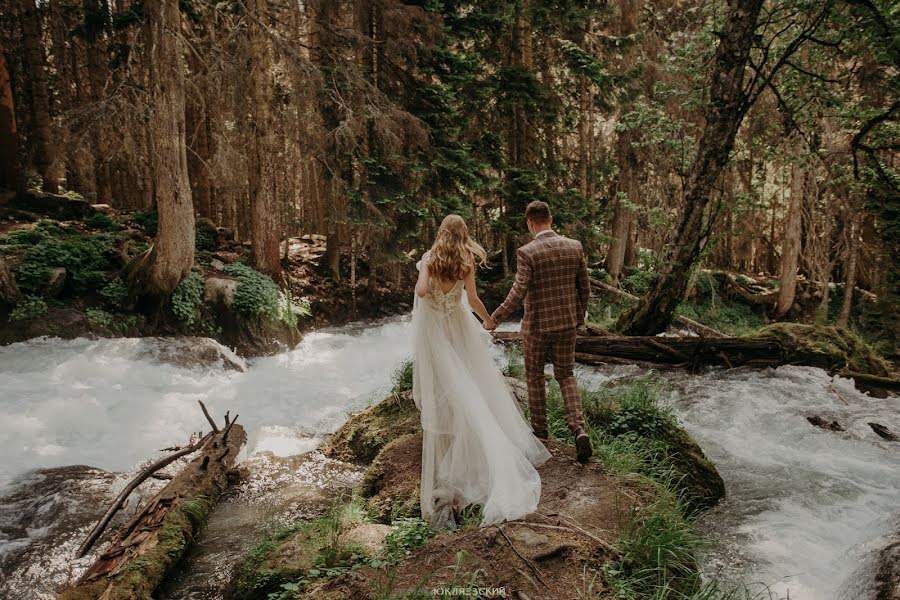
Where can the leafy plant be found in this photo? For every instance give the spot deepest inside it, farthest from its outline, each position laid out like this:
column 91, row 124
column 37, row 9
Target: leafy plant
column 148, row 220
column 408, row 534
column 101, row 221
column 31, row 307
column 256, row 295
column 187, row 298
column 99, row 317
column 85, row 258
column 115, row 293
column 402, row 377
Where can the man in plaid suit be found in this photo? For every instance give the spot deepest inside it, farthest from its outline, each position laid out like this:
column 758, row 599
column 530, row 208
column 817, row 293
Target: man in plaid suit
column 552, row 282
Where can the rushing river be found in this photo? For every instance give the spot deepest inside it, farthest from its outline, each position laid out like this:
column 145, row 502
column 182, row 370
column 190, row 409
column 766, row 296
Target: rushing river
column 805, row 513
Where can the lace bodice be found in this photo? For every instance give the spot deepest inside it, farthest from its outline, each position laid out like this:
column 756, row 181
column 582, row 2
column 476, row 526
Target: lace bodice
column 445, row 302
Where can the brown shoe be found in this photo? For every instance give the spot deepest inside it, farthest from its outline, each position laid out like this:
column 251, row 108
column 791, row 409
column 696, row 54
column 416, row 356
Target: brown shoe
column 583, row 449
column 541, row 435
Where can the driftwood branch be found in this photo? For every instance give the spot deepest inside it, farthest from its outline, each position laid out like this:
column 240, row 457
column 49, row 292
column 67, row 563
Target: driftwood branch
column 120, row 500
column 212, row 423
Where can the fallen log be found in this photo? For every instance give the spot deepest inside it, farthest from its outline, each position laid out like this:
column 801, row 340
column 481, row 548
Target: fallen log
column 691, row 324
column 828, row 348
column 151, row 543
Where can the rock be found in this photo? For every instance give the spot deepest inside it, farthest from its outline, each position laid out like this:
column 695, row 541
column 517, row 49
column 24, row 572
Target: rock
column 217, row 264
column 219, row 289
column 191, row 353
column 391, row 484
column 103, row 208
column 248, row 336
column 369, row 536
column 887, row 575
column 226, row 257
column 365, row 434
column 883, row 432
column 820, row 422
column 56, row 206
column 56, row 282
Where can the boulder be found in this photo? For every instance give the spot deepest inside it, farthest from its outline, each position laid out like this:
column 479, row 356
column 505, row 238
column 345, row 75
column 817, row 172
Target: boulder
column 56, row 206
column 56, row 282
column 391, row 484
column 365, row 434
column 368, row 536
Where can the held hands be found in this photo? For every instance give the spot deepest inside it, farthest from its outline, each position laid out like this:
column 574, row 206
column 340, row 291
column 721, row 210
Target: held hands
column 489, row 324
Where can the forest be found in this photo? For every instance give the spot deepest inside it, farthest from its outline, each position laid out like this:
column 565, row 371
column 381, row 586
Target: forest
column 215, row 207
column 755, row 139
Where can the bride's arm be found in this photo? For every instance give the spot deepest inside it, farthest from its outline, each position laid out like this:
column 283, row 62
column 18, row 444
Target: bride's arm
column 475, row 302
column 422, row 287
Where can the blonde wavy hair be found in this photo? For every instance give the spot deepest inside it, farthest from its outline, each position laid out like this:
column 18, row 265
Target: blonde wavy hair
column 454, row 253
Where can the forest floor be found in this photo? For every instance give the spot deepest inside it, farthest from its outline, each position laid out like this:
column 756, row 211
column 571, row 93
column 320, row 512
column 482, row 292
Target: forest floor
column 67, row 257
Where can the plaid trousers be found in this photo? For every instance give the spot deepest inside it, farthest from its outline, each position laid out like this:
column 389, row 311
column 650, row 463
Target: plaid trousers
column 559, row 347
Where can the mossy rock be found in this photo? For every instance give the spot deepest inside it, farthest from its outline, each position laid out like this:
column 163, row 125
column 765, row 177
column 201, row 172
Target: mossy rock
column 826, row 347
column 391, row 484
column 281, row 558
column 701, row 482
column 365, row 434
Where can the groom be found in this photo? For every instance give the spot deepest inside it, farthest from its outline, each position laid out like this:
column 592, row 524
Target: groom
column 552, row 281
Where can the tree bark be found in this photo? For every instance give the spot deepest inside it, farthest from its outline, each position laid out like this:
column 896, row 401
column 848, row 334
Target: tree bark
column 264, row 224
column 155, row 274
column 9, row 291
column 625, row 192
column 790, row 252
column 9, row 137
column 35, row 64
column 727, row 107
column 96, row 17
column 851, row 268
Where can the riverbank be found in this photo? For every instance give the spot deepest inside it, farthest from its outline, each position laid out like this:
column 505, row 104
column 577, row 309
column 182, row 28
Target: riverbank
column 68, row 259
column 619, row 526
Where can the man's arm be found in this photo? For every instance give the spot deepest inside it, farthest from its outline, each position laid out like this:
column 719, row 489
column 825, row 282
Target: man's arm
column 583, row 283
column 519, row 290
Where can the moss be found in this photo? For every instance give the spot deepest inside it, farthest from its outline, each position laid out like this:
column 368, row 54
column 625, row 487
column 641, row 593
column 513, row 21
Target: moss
column 830, row 348
column 141, row 576
column 391, row 484
column 365, row 434
column 300, row 555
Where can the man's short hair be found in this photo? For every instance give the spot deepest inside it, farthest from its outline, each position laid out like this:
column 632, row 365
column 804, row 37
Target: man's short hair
column 538, row 211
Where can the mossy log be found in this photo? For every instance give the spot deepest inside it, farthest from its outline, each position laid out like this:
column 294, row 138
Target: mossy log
column 833, row 349
column 145, row 550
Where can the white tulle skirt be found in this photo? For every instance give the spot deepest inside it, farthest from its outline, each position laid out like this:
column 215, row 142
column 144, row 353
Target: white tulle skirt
column 477, row 447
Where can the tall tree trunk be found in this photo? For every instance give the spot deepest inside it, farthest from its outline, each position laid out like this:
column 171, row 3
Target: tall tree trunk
column 625, row 192
column 96, row 19
column 264, row 221
column 790, row 247
column 9, row 137
column 324, row 47
column 724, row 115
column 35, row 65
column 851, row 268
column 155, row 274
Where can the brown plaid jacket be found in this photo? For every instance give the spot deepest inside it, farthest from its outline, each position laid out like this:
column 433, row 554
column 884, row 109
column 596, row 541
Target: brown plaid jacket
column 552, row 281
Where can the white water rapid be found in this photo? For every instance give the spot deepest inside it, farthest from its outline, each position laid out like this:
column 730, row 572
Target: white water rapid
column 806, row 508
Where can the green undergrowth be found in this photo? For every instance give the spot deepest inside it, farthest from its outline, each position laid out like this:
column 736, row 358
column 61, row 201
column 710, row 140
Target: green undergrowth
column 635, row 435
column 294, row 559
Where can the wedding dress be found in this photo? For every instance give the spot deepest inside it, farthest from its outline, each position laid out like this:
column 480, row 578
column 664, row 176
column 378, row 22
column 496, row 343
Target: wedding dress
column 477, row 447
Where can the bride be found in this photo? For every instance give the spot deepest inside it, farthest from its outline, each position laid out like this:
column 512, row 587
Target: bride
column 477, row 447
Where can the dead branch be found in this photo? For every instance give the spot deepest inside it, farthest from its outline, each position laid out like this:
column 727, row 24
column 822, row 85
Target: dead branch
column 212, row 423
column 119, row 502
